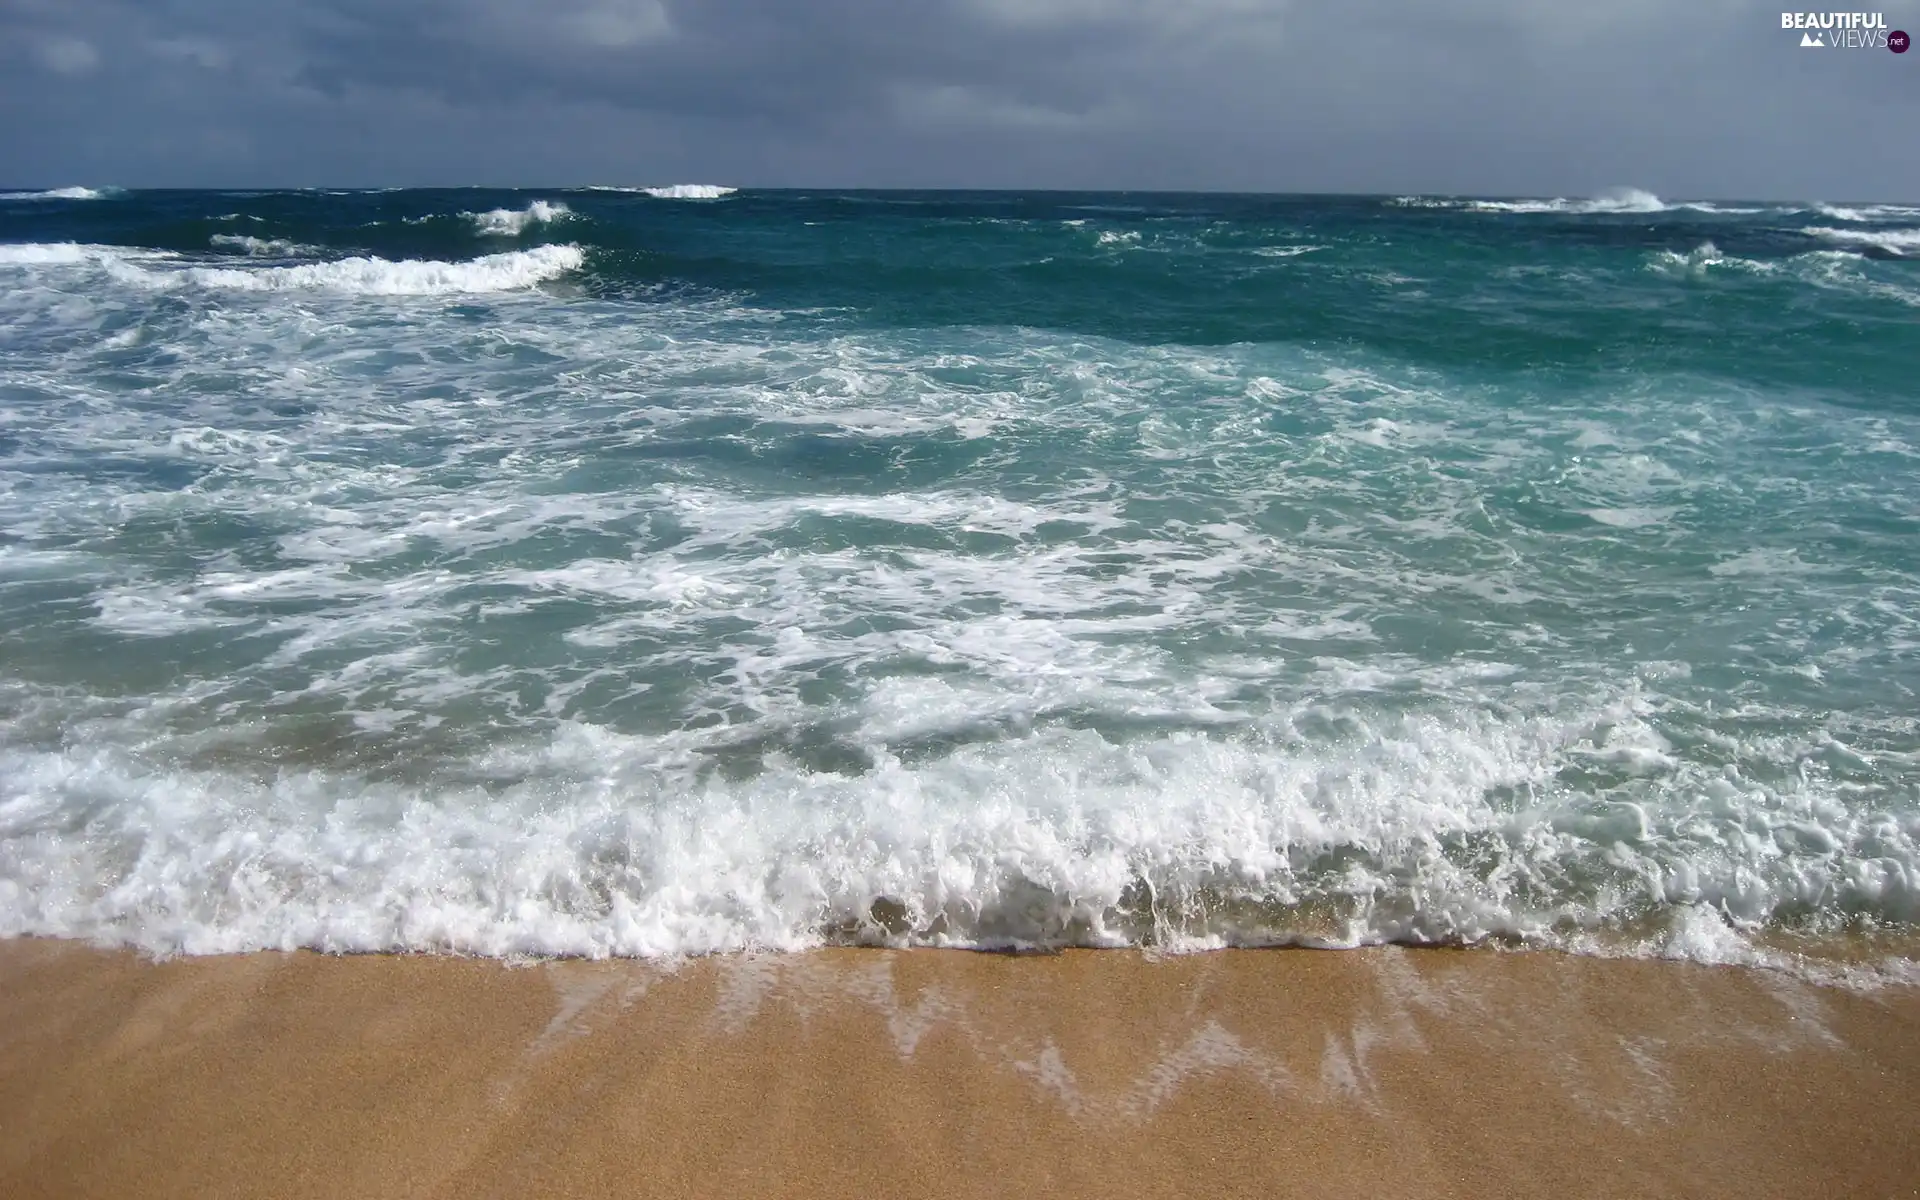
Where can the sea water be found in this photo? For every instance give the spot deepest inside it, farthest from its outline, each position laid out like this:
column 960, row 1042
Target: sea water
column 668, row 570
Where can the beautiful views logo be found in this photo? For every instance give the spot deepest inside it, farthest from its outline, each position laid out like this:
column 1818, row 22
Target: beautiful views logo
column 1845, row 31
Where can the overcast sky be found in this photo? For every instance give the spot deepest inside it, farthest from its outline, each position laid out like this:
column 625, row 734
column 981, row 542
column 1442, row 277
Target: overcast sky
column 1706, row 98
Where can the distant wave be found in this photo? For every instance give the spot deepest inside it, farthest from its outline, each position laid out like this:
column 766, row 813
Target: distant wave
column 514, row 271
column 65, row 193
column 676, row 191
column 689, row 191
column 507, row 222
column 1623, row 200
column 1620, row 200
column 1894, row 241
column 1867, row 213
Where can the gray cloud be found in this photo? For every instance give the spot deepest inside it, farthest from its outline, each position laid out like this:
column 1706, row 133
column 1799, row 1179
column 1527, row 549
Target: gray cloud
column 1527, row 96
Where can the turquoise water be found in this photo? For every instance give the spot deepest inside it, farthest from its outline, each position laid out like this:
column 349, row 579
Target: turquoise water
column 597, row 572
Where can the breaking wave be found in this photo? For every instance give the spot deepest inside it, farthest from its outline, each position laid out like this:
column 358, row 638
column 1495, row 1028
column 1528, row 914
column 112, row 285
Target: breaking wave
column 259, row 247
column 65, row 193
column 1622, row 200
column 507, row 222
column 1868, row 213
column 514, row 271
column 689, row 191
column 1893, row 241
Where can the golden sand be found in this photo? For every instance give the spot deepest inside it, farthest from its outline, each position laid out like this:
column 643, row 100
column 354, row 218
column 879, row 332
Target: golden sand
column 1375, row 1073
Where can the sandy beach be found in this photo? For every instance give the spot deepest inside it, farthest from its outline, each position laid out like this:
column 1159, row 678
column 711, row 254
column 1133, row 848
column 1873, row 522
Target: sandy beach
column 1377, row 1073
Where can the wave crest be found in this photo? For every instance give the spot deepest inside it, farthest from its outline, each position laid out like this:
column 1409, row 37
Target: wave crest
column 1867, row 213
column 258, row 247
column 65, row 193
column 1894, row 241
column 507, row 222
column 690, row 191
column 513, row 271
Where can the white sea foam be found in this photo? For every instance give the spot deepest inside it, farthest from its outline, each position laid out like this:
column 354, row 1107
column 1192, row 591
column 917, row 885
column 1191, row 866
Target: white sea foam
column 1057, row 836
column 65, row 193
column 1894, row 241
column 507, row 222
column 1285, row 251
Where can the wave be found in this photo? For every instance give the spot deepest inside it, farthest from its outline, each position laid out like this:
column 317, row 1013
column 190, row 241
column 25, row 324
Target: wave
column 1838, row 270
column 1867, row 213
column 259, row 247
column 1700, row 260
column 507, row 222
column 514, row 271
column 676, row 191
column 65, row 193
column 1059, row 837
column 1893, row 241
column 56, row 254
column 690, row 191
column 1622, row 200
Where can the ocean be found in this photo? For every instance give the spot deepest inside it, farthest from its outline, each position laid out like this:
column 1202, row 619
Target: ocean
column 657, row 572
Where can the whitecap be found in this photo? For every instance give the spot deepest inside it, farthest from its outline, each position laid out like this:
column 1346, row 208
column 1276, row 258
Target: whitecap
column 259, row 247
column 36, row 254
column 515, row 271
column 690, row 191
column 1894, row 241
column 1620, row 200
column 65, row 193
column 507, row 222
column 1867, row 213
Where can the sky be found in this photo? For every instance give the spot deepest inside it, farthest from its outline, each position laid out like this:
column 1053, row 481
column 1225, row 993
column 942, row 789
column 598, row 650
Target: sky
column 1701, row 99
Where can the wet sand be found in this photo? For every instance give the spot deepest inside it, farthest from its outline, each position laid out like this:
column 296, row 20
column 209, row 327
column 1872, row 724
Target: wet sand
column 1378, row 1073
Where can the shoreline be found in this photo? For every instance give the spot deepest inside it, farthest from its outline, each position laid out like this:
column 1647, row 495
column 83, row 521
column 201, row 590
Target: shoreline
column 1376, row 1072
